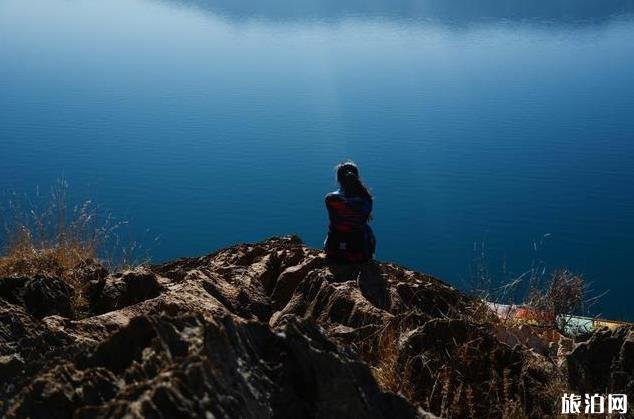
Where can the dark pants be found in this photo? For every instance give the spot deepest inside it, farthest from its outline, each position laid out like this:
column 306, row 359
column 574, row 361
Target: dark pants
column 355, row 246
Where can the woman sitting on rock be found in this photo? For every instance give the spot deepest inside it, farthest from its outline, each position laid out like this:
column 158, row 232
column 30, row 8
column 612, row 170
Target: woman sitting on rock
column 350, row 238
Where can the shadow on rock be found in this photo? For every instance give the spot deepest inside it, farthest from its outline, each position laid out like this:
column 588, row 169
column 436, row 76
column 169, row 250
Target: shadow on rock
column 369, row 278
column 41, row 296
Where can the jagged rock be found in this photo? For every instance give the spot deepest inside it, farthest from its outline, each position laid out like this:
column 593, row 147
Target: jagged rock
column 188, row 366
column 188, row 338
column 270, row 329
column 58, row 392
column 41, row 296
column 320, row 296
column 288, row 280
column 26, row 344
column 15, row 324
column 89, row 270
column 12, row 289
column 10, row 366
column 123, row 289
column 46, row 296
column 604, row 363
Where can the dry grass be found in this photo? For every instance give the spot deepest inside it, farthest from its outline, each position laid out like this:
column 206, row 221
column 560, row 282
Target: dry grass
column 45, row 237
column 450, row 396
column 386, row 355
column 562, row 296
column 549, row 299
column 381, row 351
column 25, row 259
column 454, row 390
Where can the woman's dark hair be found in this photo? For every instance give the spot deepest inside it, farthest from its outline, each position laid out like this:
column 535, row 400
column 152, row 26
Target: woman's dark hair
column 348, row 178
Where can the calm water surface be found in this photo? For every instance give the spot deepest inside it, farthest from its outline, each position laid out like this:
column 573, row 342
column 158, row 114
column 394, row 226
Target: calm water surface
column 216, row 122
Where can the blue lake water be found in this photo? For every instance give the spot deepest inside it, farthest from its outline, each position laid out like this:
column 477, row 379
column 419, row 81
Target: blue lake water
column 216, row 122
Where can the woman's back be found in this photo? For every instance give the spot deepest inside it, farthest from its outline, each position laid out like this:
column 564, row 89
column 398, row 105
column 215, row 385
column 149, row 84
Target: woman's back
column 350, row 238
column 348, row 213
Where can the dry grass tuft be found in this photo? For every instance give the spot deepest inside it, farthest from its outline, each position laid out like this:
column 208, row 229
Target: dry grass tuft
column 386, row 355
column 562, row 296
column 381, row 351
column 25, row 259
column 550, row 299
column 47, row 238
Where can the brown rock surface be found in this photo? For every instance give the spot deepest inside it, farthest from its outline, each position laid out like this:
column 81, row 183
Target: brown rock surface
column 604, row 363
column 265, row 330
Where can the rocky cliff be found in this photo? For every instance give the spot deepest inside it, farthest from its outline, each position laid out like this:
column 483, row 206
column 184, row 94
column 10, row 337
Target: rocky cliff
column 273, row 330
